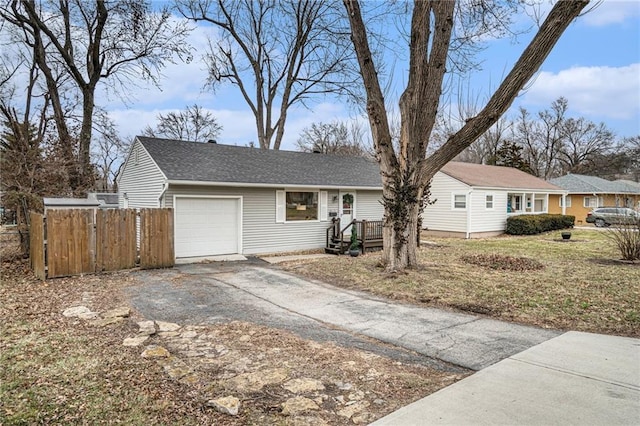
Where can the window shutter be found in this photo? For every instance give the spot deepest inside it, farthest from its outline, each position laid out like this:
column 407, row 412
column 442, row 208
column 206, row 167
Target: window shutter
column 324, row 205
column 280, row 206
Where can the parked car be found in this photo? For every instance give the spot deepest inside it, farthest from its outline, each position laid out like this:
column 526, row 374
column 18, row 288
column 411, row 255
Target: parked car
column 606, row 216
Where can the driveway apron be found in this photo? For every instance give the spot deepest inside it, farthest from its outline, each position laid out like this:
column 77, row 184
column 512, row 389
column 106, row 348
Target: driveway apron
column 248, row 291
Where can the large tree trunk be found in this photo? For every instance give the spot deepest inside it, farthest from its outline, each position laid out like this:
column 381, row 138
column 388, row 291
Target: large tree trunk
column 84, row 149
column 407, row 174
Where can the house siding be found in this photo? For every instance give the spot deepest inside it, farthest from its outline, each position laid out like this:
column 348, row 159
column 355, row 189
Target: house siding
column 440, row 216
column 483, row 220
column 142, row 181
column 578, row 210
column 368, row 205
column 260, row 232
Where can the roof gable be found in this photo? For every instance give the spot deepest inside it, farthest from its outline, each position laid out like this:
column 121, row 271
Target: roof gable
column 216, row 163
column 480, row 175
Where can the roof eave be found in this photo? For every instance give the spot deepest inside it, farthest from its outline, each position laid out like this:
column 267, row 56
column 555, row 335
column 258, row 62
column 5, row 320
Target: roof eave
column 269, row 185
column 512, row 189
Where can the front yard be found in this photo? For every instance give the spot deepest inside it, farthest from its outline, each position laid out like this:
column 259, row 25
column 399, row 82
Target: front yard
column 538, row 280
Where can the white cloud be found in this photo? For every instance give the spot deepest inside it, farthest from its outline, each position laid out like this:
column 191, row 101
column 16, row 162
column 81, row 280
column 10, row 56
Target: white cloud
column 612, row 12
column 606, row 92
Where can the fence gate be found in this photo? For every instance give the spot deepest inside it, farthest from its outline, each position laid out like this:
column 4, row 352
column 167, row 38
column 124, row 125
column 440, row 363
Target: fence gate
column 156, row 238
column 83, row 241
column 70, row 242
column 115, row 239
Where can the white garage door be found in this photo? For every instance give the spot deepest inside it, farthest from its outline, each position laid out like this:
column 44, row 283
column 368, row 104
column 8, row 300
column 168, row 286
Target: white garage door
column 206, row 226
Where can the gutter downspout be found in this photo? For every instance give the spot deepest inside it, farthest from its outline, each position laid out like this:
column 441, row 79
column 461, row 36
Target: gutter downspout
column 468, row 233
column 165, row 186
column 564, row 203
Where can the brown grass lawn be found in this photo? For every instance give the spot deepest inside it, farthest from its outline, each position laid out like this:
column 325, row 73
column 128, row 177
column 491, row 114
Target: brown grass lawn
column 539, row 280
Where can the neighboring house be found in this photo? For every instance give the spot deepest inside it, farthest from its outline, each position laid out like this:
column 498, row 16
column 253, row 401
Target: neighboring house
column 230, row 199
column 101, row 200
column 474, row 200
column 584, row 193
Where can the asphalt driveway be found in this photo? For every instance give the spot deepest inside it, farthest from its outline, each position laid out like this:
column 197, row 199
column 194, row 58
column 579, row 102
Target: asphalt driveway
column 256, row 292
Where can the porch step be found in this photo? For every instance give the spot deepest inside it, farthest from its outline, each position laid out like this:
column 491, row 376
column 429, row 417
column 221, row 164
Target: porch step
column 332, row 250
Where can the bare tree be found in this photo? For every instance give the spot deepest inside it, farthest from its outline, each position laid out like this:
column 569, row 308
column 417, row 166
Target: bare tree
column 406, row 173
column 333, row 138
column 278, row 53
column 191, row 124
column 108, row 152
column 583, row 140
column 92, row 41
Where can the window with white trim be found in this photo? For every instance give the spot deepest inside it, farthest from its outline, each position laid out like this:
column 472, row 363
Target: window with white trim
column 459, row 201
column 593, row 202
column 568, row 201
column 297, row 206
column 488, row 201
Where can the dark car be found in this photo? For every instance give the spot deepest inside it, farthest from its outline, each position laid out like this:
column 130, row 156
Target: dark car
column 606, row 216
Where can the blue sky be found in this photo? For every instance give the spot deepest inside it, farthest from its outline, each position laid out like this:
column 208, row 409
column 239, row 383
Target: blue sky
column 596, row 66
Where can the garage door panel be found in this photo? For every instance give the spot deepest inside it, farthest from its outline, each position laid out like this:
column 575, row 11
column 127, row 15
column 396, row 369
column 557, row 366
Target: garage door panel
column 207, row 226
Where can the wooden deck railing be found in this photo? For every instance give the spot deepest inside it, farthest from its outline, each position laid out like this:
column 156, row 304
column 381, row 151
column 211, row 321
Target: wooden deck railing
column 369, row 235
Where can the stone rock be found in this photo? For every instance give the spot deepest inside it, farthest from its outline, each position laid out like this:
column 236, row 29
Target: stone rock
column 147, row 328
column 135, row 341
column 303, row 385
column 107, row 321
column 117, row 312
column 88, row 316
column 177, row 370
column 76, row 311
column 379, row 401
column 362, row 418
column 153, row 351
column 226, row 405
column 167, row 334
column 351, row 410
column 255, row 381
column 356, row 396
column 190, row 379
column 189, row 334
column 298, row 405
column 244, row 338
column 167, row 326
column 344, row 386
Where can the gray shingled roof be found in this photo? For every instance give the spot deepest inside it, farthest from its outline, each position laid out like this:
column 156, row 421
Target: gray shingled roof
column 582, row 184
column 208, row 162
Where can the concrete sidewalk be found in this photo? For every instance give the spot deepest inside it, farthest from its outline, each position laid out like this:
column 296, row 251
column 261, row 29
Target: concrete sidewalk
column 574, row 379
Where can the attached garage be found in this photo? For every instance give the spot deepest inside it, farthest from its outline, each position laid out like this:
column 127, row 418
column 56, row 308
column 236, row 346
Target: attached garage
column 207, row 226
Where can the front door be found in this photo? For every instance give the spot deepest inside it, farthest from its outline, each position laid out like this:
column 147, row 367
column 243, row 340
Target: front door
column 347, row 208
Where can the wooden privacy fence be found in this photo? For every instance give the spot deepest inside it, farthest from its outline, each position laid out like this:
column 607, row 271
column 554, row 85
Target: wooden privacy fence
column 84, row 241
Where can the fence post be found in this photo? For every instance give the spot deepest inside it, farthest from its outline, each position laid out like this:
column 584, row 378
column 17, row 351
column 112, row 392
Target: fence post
column 37, row 244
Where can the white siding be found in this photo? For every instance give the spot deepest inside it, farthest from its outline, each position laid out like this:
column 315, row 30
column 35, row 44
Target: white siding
column 260, row 232
column 142, row 181
column 483, row 220
column 369, row 205
column 440, row 216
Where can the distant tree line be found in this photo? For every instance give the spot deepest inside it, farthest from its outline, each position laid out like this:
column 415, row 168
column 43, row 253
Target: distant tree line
column 549, row 144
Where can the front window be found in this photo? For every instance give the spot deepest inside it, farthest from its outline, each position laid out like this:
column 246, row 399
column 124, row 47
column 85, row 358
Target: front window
column 301, row 206
column 488, row 200
column 460, row 201
column 567, row 199
column 592, row 202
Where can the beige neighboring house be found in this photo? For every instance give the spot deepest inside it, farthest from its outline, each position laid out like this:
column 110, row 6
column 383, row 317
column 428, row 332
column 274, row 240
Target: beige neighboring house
column 475, row 200
column 585, row 193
